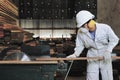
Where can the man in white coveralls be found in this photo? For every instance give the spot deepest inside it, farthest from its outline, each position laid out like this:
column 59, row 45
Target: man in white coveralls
column 100, row 40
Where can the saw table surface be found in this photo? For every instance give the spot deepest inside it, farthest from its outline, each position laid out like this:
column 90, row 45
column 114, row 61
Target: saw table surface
column 27, row 70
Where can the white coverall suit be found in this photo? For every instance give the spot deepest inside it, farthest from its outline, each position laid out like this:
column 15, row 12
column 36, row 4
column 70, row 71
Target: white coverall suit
column 105, row 39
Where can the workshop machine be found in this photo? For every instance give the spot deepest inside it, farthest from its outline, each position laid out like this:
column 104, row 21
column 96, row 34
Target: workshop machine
column 13, row 69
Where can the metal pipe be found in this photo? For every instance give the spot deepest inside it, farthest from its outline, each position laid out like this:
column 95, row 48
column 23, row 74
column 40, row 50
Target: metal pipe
column 68, row 70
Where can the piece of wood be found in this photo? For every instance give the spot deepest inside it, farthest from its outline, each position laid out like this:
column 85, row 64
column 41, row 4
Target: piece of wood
column 80, row 58
column 28, row 62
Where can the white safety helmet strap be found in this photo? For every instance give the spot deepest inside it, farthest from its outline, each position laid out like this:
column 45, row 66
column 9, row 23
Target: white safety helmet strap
column 82, row 17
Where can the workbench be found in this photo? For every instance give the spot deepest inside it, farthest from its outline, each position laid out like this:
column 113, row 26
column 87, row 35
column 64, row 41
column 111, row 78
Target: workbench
column 28, row 70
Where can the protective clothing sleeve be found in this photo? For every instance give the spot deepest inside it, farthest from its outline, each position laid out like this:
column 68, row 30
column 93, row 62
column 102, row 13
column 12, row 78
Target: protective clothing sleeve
column 79, row 47
column 113, row 39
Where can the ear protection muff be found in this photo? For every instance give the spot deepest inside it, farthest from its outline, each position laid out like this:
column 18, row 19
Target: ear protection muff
column 91, row 24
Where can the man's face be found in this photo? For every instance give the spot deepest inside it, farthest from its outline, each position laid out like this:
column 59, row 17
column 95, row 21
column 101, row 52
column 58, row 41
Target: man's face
column 90, row 25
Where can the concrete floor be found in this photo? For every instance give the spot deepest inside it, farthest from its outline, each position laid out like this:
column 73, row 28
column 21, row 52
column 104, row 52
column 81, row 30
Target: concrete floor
column 76, row 78
column 79, row 78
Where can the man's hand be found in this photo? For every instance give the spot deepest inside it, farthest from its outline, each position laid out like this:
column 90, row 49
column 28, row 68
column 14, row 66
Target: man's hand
column 107, row 56
column 71, row 56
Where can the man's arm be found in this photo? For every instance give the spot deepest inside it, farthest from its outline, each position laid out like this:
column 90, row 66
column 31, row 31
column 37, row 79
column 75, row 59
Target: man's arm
column 78, row 49
column 113, row 39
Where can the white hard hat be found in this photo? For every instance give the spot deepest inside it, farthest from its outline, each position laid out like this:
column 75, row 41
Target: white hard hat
column 82, row 17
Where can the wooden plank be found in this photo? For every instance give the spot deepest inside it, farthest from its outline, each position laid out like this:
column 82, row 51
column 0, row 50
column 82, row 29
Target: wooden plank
column 28, row 62
column 80, row 58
